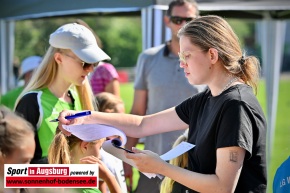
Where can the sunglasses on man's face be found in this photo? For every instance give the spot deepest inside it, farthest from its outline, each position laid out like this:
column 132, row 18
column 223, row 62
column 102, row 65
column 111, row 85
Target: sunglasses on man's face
column 179, row 20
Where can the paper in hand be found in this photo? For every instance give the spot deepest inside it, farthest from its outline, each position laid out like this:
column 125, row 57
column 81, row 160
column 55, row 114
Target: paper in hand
column 91, row 132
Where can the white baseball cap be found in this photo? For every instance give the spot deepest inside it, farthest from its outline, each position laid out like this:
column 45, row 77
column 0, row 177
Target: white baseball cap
column 28, row 64
column 80, row 40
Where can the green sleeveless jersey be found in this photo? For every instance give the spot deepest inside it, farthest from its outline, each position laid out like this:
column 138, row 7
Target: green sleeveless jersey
column 39, row 107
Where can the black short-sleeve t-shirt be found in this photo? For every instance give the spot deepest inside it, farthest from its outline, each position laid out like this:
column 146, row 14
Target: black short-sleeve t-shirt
column 233, row 118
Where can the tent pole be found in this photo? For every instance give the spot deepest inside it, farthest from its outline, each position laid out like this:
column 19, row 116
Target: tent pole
column 273, row 36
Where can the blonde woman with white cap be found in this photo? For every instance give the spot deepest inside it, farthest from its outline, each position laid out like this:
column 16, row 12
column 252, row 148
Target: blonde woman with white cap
column 59, row 83
column 28, row 65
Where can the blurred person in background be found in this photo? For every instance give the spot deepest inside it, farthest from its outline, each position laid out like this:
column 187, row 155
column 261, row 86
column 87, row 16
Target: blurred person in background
column 28, row 65
column 281, row 183
column 168, row 185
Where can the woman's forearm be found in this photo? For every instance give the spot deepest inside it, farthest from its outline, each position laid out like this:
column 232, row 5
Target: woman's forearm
column 224, row 179
column 126, row 122
column 140, row 126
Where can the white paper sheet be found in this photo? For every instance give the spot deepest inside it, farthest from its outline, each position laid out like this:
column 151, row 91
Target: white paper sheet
column 91, row 132
column 177, row 151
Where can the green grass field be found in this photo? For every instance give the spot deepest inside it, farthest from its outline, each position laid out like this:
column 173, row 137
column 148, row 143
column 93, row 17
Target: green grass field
column 281, row 145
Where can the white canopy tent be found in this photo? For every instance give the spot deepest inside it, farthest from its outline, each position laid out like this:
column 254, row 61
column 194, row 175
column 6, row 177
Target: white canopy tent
column 271, row 13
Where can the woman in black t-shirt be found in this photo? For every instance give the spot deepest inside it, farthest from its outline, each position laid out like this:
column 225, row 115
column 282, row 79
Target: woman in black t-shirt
column 226, row 122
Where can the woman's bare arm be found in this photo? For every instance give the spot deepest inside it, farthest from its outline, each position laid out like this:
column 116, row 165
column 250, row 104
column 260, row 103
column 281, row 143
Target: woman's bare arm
column 228, row 169
column 133, row 125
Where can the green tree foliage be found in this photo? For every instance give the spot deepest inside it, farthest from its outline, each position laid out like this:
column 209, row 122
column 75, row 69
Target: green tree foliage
column 121, row 36
column 245, row 30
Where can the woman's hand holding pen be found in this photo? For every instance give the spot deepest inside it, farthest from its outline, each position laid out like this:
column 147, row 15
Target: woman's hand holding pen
column 63, row 121
column 146, row 161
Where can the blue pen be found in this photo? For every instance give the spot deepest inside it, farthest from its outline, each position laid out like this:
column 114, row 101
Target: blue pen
column 81, row 114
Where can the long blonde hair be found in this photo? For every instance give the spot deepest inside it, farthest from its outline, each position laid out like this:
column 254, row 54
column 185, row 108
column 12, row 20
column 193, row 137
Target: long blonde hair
column 181, row 161
column 46, row 73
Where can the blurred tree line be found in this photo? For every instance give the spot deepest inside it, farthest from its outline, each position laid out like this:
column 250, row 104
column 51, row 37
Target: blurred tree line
column 121, row 36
